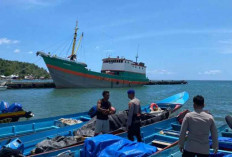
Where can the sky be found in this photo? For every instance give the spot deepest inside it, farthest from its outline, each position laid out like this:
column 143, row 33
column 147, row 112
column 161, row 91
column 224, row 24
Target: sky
column 177, row 39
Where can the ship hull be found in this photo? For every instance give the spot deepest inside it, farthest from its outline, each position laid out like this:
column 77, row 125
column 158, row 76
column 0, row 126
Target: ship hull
column 69, row 74
column 65, row 80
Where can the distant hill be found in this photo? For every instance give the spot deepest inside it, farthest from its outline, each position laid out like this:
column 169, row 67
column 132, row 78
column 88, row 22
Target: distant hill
column 22, row 69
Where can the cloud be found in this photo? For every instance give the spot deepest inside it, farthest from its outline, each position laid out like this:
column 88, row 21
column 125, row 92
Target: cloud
column 16, row 50
column 159, row 72
column 210, row 72
column 30, row 52
column 8, row 41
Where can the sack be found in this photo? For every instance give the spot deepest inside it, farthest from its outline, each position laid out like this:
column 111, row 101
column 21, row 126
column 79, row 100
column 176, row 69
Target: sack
column 4, row 107
column 15, row 107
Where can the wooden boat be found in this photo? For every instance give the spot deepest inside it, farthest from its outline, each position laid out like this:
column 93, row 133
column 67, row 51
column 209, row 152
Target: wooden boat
column 222, row 131
column 14, row 116
column 13, row 112
column 16, row 129
column 151, row 134
column 31, row 140
column 175, row 152
column 33, row 126
column 164, row 135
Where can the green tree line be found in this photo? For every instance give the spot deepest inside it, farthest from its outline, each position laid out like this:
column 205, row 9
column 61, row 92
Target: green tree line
column 22, row 69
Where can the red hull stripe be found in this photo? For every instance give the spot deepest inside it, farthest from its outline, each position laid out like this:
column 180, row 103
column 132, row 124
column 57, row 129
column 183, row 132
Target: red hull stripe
column 93, row 76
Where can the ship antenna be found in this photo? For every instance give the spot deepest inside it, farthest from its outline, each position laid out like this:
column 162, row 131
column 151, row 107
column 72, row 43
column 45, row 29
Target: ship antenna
column 74, row 39
column 137, row 56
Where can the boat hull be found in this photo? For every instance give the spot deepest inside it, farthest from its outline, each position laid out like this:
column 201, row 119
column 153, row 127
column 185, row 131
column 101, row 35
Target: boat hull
column 3, row 88
column 67, row 80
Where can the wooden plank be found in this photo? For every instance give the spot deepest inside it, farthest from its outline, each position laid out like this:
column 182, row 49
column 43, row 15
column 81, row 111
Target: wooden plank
column 159, row 149
column 161, row 143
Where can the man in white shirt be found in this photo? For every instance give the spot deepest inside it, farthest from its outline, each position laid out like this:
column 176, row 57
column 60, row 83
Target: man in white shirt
column 199, row 124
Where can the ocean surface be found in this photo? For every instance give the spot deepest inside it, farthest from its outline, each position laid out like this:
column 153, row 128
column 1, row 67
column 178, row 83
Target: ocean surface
column 53, row 102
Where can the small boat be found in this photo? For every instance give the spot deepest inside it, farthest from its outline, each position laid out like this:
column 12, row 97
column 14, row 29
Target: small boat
column 30, row 141
column 151, row 134
column 223, row 131
column 14, row 116
column 16, row 129
column 3, row 86
column 13, row 112
column 163, row 136
column 175, row 152
column 34, row 126
column 225, row 138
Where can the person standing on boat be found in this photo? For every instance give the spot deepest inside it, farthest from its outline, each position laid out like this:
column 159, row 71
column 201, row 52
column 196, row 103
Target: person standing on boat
column 133, row 119
column 199, row 124
column 104, row 108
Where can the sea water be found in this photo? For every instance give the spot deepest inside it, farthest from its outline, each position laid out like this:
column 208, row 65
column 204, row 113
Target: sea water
column 53, row 102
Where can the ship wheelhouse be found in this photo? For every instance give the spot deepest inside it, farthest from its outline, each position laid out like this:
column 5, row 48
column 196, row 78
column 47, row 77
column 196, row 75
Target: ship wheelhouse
column 123, row 67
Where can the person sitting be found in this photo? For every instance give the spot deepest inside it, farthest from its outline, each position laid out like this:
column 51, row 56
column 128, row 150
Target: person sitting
column 198, row 124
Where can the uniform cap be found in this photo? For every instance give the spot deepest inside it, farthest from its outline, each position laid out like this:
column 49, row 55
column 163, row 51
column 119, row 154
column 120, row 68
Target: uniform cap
column 131, row 91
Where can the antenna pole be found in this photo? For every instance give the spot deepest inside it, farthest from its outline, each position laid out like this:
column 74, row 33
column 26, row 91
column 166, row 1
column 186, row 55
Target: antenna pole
column 137, row 56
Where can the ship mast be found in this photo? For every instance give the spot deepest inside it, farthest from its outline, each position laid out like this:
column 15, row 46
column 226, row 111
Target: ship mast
column 74, row 39
column 79, row 43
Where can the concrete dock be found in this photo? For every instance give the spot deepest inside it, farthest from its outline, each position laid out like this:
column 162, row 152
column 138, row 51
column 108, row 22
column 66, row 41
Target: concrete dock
column 50, row 84
column 20, row 85
column 167, row 82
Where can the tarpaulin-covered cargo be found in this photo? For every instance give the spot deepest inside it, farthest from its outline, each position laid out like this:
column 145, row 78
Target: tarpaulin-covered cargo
column 108, row 145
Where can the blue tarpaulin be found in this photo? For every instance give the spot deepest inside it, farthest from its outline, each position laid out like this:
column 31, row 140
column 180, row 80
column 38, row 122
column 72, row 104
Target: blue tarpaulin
column 108, row 145
column 224, row 143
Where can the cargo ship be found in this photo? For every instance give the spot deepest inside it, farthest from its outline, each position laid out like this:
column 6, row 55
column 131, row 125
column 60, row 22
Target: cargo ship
column 115, row 72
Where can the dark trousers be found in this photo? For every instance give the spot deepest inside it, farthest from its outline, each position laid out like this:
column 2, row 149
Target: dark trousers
column 191, row 154
column 134, row 130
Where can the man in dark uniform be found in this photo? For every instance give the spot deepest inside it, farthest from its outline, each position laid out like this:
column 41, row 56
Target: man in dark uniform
column 104, row 109
column 133, row 120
